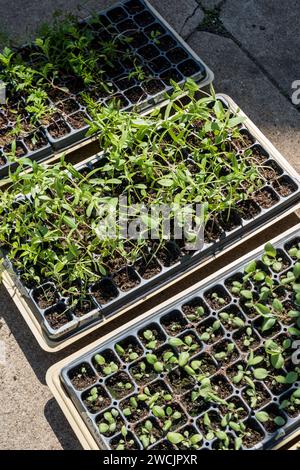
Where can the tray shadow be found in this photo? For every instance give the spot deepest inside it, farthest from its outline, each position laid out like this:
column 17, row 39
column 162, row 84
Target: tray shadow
column 60, row 426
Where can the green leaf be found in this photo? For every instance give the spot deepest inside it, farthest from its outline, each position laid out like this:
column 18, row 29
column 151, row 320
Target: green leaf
column 103, row 428
column 175, row 437
column 268, row 324
column 69, row 221
column 296, row 270
column 251, row 267
column 183, row 359
column 166, row 182
column 175, row 342
column 158, row 411
column 247, row 294
column 291, row 377
column 260, row 373
column 270, row 250
column 99, row 360
column 279, row 421
column 262, row 416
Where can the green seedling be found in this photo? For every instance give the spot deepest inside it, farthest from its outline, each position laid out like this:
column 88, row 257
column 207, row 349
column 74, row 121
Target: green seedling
column 197, row 315
column 107, row 367
column 226, row 353
column 292, row 404
column 146, row 435
column 210, row 332
column 185, row 440
column 231, row 320
column 109, row 423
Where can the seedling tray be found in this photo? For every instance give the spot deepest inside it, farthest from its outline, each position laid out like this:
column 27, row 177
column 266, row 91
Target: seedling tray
column 155, row 46
column 101, row 314
column 122, row 301
column 71, row 384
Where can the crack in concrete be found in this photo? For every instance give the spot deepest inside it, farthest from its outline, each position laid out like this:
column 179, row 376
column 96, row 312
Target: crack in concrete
column 189, row 18
column 212, row 23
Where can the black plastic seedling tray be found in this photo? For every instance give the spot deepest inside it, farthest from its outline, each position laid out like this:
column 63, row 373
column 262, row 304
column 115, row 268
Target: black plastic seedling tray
column 163, row 57
column 180, row 263
column 88, row 368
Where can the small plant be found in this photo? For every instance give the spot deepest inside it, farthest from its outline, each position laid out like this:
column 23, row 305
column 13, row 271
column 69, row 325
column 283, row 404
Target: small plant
column 292, row 404
column 271, row 259
column 185, row 440
column 146, row 434
column 264, row 417
column 294, row 252
column 107, row 367
column 125, row 442
column 108, row 425
column 168, row 416
column 128, row 354
column 226, row 352
column 231, row 320
column 187, row 343
column 197, row 315
column 150, row 337
column 210, row 332
column 167, row 362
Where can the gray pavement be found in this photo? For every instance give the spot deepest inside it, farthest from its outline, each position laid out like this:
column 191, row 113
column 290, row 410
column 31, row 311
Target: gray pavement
column 253, row 48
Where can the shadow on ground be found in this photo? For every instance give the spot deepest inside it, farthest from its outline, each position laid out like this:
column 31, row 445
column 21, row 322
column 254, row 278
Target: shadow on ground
column 60, row 426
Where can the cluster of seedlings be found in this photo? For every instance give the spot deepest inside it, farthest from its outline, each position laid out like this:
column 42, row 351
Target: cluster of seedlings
column 214, row 371
column 51, row 219
column 122, row 58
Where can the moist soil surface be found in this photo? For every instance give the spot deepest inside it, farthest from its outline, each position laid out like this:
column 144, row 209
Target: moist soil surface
column 82, row 379
column 125, row 280
column 57, row 319
column 265, row 198
column 147, row 269
column 77, row 120
column 103, row 401
column 58, row 129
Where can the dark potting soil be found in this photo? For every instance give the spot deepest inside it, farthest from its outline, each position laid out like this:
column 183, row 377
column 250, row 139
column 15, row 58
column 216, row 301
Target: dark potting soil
column 115, row 385
column 135, row 95
column 125, row 280
column 248, row 209
column 243, row 142
column 147, row 268
column 180, row 381
column 284, row 188
column 212, row 231
column 5, row 137
column 258, row 155
column 102, row 401
column 104, row 293
column 68, row 106
column 221, row 387
column 82, row 377
column 45, row 298
column 252, row 437
column 57, row 319
column 35, row 141
column 270, row 172
column 152, row 87
column 82, row 307
column 2, row 161
column 77, row 120
column 265, row 198
column 58, row 129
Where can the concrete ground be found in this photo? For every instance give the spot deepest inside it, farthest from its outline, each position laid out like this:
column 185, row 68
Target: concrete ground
column 253, row 48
